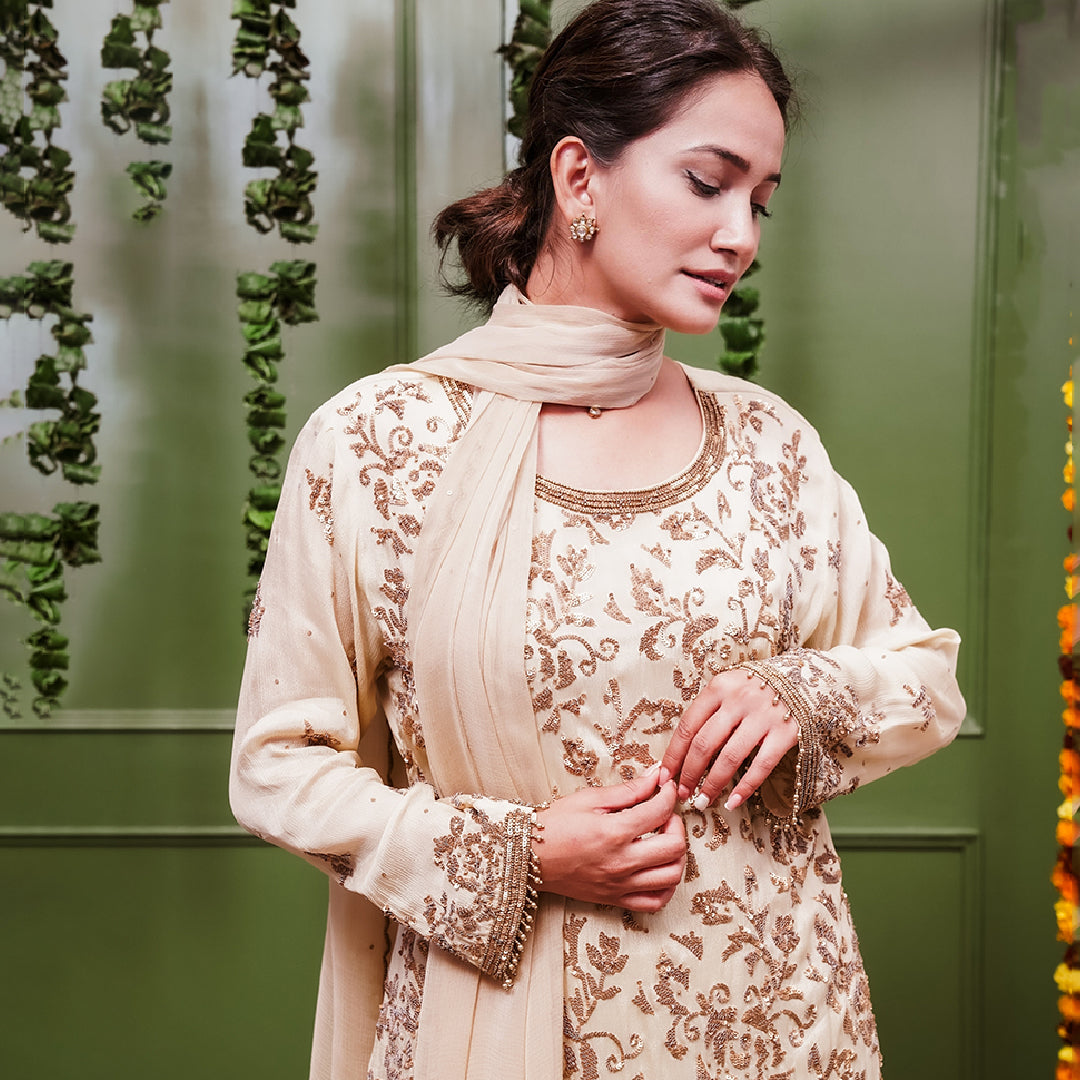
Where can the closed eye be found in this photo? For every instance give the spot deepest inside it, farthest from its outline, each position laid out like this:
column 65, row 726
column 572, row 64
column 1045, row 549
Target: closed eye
column 700, row 187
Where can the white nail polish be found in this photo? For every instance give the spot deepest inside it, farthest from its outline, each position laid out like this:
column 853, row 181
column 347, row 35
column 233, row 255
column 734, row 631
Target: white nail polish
column 700, row 801
column 734, row 802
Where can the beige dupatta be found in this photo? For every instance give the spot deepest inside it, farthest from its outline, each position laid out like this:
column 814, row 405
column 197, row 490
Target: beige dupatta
column 466, row 609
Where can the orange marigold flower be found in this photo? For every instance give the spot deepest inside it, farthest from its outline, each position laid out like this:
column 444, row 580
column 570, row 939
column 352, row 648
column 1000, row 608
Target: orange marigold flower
column 1071, row 717
column 1067, row 833
column 1069, row 786
column 1068, row 919
column 1069, row 1006
column 1072, row 563
column 1065, row 883
column 1068, row 500
column 1070, row 691
column 1069, row 760
column 1066, row 616
column 1066, row 1070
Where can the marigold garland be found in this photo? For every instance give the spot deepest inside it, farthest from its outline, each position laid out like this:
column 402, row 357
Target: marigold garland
column 1064, row 876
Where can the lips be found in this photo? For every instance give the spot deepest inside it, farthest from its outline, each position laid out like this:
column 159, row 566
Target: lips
column 720, row 280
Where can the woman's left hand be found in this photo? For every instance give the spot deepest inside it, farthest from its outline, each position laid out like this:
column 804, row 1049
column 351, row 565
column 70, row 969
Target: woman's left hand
column 721, row 728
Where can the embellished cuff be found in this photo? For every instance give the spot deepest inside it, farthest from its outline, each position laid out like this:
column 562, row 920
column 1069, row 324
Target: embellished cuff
column 808, row 760
column 517, row 906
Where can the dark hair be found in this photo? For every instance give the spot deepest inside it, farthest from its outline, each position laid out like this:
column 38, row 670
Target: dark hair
column 617, row 72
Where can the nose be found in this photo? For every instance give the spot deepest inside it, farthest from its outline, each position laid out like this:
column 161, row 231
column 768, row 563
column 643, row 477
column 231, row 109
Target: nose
column 737, row 230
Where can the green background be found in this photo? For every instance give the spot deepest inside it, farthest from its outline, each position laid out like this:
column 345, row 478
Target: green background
column 919, row 295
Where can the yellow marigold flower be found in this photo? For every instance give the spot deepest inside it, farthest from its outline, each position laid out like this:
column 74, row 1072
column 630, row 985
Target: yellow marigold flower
column 1067, row 392
column 1068, row 919
column 1069, row 472
column 1067, row 810
column 1071, row 585
column 1067, row 979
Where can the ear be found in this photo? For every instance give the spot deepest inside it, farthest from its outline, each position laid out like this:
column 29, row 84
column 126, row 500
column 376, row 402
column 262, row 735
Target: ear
column 572, row 171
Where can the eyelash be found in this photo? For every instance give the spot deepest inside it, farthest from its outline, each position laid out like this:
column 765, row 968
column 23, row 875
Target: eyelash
column 707, row 190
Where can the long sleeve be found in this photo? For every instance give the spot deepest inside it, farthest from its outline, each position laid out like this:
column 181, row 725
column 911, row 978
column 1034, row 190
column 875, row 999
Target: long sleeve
column 871, row 685
column 311, row 735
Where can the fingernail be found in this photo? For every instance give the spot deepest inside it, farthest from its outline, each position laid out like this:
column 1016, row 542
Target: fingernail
column 700, row 801
column 665, row 776
column 684, row 792
column 734, row 802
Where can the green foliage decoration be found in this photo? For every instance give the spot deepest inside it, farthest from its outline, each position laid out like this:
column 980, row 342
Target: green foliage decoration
column 35, row 548
column 285, row 295
column 140, row 103
column 35, row 175
column 268, row 39
column 532, row 33
column 742, row 330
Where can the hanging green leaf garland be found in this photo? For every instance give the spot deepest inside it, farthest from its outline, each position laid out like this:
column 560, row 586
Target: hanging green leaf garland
column 531, row 36
column 34, row 548
column 35, row 175
column 268, row 39
column 140, row 103
column 286, row 294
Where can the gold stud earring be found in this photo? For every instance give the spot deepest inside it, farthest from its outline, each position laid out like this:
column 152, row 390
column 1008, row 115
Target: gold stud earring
column 583, row 229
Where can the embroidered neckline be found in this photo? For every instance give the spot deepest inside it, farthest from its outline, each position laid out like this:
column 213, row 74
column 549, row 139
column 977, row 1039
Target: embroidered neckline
column 683, row 486
column 660, row 496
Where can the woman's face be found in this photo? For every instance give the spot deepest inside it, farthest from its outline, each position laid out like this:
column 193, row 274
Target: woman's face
column 680, row 212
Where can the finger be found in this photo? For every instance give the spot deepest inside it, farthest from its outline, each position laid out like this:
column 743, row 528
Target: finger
column 743, row 742
column 767, row 758
column 649, row 902
column 714, row 738
column 655, row 879
column 695, row 714
column 630, row 792
column 648, row 816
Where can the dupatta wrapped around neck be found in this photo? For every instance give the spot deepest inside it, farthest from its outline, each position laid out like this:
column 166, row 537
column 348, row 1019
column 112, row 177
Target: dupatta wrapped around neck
column 466, row 612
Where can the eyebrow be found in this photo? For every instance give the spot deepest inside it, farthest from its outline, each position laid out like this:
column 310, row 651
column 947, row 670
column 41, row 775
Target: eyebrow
column 732, row 158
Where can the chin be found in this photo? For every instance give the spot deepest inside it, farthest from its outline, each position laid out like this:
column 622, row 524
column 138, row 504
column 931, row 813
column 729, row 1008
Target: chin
column 691, row 323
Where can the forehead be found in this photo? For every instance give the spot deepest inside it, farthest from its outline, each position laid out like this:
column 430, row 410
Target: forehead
column 736, row 111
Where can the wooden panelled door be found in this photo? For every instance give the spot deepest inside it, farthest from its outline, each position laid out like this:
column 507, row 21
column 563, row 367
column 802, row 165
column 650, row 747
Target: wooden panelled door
column 918, row 277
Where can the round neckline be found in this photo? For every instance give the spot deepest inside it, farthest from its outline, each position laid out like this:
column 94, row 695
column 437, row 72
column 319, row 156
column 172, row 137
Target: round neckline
column 684, row 484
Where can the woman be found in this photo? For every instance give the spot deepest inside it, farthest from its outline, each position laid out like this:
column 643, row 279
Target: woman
column 625, row 626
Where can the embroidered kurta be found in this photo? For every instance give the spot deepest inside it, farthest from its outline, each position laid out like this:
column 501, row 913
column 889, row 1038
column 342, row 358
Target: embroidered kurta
column 758, row 551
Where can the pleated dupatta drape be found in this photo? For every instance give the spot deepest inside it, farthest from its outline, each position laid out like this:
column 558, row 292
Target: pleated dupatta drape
column 465, row 614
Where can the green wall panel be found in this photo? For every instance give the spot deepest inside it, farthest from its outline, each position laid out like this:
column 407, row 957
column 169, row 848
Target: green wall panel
column 137, row 961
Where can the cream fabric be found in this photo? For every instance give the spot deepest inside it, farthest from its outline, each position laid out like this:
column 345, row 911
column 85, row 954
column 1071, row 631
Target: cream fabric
column 471, row 572
column 334, row 658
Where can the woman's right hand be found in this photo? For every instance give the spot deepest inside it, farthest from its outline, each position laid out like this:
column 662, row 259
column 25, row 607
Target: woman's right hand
column 622, row 845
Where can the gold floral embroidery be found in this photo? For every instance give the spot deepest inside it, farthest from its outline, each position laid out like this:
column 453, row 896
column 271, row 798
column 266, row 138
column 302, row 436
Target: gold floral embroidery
column 898, row 598
column 319, row 738
column 319, row 500
column 921, row 700
column 256, row 613
column 341, row 865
